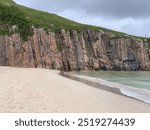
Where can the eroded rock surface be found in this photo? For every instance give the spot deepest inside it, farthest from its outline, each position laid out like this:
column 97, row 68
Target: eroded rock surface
column 86, row 50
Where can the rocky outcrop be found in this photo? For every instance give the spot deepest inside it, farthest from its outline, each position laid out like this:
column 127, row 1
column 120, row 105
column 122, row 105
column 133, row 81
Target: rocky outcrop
column 86, row 50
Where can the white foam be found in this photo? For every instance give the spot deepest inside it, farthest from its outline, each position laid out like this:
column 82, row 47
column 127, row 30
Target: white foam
column 138, row 93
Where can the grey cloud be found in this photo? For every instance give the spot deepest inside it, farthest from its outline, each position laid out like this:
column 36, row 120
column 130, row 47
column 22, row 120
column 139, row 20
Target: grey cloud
column 119, row 8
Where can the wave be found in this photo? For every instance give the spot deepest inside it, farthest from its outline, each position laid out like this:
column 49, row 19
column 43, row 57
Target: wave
column 138, row 93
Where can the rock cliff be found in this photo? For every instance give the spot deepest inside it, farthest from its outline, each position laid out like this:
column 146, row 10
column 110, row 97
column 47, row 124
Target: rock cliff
column 72, row 50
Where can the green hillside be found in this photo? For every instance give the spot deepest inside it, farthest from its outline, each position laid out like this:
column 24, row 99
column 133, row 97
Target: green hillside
column 13, row 14
column 7, row 2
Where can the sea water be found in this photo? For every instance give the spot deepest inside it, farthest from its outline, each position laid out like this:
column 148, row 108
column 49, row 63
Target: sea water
column 133, row 84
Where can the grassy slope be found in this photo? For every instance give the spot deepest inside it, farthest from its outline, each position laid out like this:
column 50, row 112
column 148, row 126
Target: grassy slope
column 7, row 2
column 55, row 22
column 28, row 17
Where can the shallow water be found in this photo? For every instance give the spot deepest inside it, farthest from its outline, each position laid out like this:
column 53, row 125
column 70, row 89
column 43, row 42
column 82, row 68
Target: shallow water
column 133, row 84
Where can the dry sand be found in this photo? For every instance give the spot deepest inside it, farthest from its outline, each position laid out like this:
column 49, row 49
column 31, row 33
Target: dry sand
column 41, row 90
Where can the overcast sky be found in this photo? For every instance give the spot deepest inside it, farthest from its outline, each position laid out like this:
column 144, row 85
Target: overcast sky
column 130, row 16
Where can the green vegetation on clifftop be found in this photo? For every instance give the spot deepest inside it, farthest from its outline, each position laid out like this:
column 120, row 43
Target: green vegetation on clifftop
column 7, row 2
column 24, row 18
column 11, row 15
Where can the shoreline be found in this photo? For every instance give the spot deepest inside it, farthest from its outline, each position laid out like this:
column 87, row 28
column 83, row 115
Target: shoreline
column 92, row 83
column 36, row 90
column 98, row 85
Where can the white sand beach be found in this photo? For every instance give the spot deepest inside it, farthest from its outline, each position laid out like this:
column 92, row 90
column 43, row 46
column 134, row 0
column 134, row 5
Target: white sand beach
column 42, row 90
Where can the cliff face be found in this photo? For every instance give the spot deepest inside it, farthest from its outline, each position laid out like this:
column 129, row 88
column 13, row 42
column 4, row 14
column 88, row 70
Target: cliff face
column 87, row 50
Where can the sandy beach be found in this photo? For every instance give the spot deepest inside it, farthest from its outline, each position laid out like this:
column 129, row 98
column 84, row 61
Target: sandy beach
column 42, row 90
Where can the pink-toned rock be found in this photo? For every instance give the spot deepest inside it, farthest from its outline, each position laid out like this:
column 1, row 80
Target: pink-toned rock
column 86, row 50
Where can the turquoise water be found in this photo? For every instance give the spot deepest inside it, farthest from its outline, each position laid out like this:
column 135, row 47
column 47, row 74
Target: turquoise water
column 133, row 84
